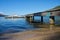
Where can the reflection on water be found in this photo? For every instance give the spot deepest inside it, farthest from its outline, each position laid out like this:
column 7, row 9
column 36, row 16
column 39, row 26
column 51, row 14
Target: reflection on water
column 14, row 25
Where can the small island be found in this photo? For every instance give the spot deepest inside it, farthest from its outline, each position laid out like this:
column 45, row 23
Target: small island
column 2, row 15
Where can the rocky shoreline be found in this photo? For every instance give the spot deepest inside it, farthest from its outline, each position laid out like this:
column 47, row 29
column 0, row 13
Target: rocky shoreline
column 38, row 34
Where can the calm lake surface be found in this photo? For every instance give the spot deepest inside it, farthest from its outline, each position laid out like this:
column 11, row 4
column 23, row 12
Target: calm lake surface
column 20, row 24
column 14, row 25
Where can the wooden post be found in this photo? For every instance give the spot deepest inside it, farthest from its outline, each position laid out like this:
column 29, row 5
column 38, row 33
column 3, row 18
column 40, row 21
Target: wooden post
column 30, row 19
column 53, row 18
column 41, row 19
column 33, row 18
column 52, row 22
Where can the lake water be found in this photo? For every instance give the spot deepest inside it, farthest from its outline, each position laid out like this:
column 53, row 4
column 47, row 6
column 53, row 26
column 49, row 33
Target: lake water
column 20, row 24
column 14, row 25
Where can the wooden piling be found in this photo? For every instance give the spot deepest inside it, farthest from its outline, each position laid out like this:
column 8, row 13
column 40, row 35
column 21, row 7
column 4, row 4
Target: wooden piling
column 41, row 19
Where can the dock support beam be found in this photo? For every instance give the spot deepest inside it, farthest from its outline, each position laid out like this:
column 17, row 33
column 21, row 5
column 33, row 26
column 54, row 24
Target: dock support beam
column 41, row 19
column 53, row 18
column 31, row 19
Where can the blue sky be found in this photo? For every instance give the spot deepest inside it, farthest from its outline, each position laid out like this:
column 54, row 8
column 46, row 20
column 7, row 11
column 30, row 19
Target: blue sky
column 23, row 7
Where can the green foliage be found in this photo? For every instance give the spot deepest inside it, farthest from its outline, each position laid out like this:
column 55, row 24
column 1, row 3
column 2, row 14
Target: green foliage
column 57, row 7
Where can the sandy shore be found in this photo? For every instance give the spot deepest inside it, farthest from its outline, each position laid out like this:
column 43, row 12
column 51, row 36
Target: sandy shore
column 38, row 34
